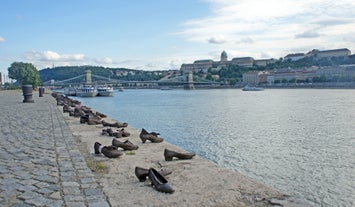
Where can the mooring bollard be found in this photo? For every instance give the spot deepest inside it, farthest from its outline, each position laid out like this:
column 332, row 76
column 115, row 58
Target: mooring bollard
column 41, row 91
column 27, row 94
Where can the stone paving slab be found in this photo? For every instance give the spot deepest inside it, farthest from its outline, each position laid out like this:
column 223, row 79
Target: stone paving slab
column 40, row 163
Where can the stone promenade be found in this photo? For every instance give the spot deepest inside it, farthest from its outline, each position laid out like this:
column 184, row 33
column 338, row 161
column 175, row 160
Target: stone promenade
column 40, row 163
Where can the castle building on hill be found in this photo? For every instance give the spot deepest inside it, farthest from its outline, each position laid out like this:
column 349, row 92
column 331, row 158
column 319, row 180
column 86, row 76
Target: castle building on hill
column 204, row 65
column 318, row 54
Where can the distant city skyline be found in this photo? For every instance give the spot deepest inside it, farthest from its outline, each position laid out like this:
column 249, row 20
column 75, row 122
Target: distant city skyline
column 161, row 35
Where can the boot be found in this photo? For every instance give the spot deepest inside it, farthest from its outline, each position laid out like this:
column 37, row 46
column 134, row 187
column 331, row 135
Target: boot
column 97, row 148
column 169, row 154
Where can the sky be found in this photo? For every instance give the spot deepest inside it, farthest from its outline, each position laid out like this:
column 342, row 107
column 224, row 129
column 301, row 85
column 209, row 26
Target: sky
column 163, row 34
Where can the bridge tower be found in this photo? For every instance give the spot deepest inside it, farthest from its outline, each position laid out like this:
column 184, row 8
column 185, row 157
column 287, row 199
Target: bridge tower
column 189, row 85
column 88, row 80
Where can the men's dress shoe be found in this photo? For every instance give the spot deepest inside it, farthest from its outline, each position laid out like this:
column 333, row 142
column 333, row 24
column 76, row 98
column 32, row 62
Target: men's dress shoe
column 116, row 124
column 65, row 108
column 110, row 132
column 120, row 125
column 169, row 154
column 124, row 133
column 94, row 120
column 126, row 145
column 159, row 182
column 144, row 135
column 84, row 119
column 111, row 152
column 117, row 134
column 142, row 173
column 101, row 115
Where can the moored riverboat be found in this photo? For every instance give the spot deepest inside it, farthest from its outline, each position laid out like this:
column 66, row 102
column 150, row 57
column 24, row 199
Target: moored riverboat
column 105, row 91
column 86, row 91
column 71, row 91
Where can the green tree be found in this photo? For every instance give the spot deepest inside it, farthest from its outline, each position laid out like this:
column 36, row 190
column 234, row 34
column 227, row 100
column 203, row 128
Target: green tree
column 24, row 73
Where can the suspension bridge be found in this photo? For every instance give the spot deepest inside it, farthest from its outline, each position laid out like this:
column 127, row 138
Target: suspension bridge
column 187, row 81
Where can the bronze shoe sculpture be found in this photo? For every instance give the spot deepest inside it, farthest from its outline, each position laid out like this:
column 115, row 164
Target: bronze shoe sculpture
column 94, row 120
column 116, row 124
column 108, row 151
column 101, row 115
column 126, row 145
column 65, row 108
column 117, row 134
column 159, row 182
column 78, row 112
column 105, row 132
column 108, row 132
column 142, row 173
column 84, row 119
column 124, row 132
column 144, row 135
column 170, row 154
column 97, row 148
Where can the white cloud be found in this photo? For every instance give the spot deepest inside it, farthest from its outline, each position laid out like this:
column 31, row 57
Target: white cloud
column 104, row 61
column 219, row 39
column 307, row 34
column 50, row 56
column 2, row 39
column 274, row 27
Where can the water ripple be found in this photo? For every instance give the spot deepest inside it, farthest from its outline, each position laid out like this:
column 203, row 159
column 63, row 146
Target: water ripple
column 300, row 141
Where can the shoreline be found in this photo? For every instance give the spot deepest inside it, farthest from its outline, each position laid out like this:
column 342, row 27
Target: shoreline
column 197, row 182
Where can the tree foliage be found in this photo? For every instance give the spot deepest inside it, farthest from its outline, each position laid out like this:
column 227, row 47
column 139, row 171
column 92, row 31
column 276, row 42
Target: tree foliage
column 24, row 73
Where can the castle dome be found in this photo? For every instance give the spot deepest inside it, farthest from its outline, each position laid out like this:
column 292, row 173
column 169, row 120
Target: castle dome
column 224, row 56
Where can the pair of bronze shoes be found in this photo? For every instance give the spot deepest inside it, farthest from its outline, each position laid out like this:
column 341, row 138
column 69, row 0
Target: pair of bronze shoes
column 116, row 124
column 126, row 145
column 90, row 119
column 170, row 154
column 118, row 133
column 152, row 136
column 109, row 151
column 159, row 182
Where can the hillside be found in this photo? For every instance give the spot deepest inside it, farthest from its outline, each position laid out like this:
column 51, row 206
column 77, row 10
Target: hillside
column 66, row 72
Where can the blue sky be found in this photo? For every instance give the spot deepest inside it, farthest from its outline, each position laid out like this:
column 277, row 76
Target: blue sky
column 163, row 34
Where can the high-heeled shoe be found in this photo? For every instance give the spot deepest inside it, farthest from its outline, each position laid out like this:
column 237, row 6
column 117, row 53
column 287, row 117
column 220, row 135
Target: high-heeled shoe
column 144, row 135
column 126, row 145
column 170, row 154
column 142, row 173
column 159, row 182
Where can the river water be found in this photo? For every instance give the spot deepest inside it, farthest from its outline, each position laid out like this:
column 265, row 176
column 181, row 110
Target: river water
column 301, row 141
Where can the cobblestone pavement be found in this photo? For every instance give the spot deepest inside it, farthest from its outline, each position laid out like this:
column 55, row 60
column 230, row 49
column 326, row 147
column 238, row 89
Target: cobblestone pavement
column 40, row 163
